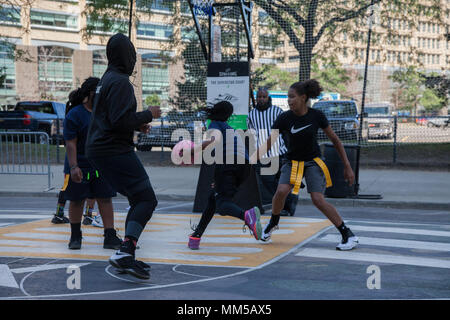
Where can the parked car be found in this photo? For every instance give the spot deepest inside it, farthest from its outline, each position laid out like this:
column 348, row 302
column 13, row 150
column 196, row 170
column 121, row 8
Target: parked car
column 343, row 117
column 380, row 120
column 161, row 135
column 35, row 116
column 437, row 122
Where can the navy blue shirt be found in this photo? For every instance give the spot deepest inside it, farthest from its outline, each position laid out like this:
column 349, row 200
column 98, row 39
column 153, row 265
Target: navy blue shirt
column 76, row 124
column 238, row 148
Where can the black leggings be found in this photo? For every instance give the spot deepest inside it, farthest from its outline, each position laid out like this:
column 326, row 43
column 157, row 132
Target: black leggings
column 227, row 179
column 127, row 176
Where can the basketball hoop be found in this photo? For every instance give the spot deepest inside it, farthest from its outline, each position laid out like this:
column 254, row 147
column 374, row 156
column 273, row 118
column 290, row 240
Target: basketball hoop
column 203, row 7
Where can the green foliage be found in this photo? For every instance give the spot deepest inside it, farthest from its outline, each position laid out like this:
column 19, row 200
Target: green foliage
column 153, row 100
column 412, row 90
column 272, row 77
column 430, row 100
column 330, row 73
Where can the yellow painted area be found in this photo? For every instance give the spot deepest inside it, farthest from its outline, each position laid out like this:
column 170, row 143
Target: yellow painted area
column 164, row 240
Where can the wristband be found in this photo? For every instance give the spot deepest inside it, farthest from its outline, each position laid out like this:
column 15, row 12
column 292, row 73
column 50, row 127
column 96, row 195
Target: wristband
column 73, row 167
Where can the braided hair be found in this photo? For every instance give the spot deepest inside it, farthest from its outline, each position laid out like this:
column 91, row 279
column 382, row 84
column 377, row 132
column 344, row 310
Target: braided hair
column 77, row 96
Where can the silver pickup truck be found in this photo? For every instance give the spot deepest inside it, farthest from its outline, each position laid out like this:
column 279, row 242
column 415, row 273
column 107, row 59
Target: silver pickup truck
column 380, row 120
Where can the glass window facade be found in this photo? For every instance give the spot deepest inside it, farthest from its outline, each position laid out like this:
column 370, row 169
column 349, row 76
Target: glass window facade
column 111, row 25
column 47, row 19
column 99, row 63
column 8, row 71
column 55, row 71
column 9, row 15
column 155, row 30
column 160, row 5
column 155, row 76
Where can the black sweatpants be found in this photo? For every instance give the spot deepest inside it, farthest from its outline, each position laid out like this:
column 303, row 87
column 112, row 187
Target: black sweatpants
column 127, row 176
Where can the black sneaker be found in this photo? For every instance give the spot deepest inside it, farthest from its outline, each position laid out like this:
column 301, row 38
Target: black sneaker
column 142, row 264
column 87, row 220
column 60, row 219
column 75, row 243
column 125, row 262
column 112, row 241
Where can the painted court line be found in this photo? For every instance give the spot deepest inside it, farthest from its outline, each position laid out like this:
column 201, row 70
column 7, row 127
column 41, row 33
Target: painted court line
column 373, row 258
column 396, row 243
column 423, row 232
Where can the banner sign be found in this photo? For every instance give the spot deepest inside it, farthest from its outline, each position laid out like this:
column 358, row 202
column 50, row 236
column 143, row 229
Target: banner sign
column 230, row 81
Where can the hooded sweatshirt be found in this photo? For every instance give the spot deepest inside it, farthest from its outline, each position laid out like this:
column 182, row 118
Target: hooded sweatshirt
column 114, row 117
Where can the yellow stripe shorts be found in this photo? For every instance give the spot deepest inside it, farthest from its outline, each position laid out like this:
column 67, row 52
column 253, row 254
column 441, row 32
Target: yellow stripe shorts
column 312, row 172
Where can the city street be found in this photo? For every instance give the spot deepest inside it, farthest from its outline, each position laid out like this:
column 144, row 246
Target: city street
column 403, row 254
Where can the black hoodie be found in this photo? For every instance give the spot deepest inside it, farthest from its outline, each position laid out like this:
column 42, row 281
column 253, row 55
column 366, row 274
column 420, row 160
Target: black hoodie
column 114, row 117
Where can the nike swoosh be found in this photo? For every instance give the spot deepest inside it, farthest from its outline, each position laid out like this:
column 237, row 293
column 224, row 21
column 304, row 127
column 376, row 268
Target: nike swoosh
column 294, row 131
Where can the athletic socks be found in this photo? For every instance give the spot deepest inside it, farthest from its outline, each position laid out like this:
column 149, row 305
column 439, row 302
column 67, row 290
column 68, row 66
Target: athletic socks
column 75, row 229
column 274, row 220
column 88, row 211
column 345, row 232
column 129, row 245
column 60, row 210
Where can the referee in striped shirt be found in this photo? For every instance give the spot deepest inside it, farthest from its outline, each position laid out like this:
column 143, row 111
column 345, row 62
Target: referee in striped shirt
column 261, row 119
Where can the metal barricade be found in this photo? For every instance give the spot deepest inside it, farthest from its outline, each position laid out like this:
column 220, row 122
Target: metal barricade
column 26, row 153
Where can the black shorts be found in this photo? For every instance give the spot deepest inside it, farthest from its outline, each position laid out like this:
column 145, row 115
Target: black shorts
column 92, row 186
column 124, row 172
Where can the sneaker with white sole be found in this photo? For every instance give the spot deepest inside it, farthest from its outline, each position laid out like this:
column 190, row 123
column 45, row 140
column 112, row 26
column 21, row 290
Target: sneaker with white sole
column 126, row 262
column 267, row 233
column 57, row 219
column 253, row 222
column 348, row 244
column 97, row 221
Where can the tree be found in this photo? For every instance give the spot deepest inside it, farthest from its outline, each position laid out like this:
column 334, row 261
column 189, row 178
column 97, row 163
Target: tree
column 191, row 90
column 114, row 15
column 330, row 74
column 413, row 90
column 431, row 101
column 153, row 100
column 306, row 22
column 272, row 77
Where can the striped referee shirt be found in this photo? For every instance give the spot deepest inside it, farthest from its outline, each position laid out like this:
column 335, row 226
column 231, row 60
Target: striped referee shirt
column 261, row 122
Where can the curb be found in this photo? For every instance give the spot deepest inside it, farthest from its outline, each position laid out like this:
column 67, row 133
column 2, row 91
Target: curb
column 357, row 203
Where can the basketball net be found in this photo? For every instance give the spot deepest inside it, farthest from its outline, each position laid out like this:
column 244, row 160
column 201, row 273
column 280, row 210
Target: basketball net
column 203, row 7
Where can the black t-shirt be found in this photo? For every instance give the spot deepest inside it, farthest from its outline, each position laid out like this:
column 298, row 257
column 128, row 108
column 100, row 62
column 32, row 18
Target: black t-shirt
column 300, row 133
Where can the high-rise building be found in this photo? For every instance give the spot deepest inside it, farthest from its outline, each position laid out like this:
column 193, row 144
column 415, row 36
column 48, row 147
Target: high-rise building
column 57, row 56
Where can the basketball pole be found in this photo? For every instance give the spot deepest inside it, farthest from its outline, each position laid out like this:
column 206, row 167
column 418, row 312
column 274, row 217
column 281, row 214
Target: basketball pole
column 130, row 21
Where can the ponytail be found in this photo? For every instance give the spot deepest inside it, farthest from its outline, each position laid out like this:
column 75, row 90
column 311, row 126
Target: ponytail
column 77, row 96
column 311, row 88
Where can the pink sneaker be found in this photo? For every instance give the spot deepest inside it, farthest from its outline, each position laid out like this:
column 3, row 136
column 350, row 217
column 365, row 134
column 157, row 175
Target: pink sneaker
column 194, row 243
column 252, row 220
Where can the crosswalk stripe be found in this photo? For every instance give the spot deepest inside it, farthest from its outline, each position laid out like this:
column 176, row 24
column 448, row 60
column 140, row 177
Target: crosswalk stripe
column 397, row 243
column 424, row 232
column 373, row 258
column 25, row 216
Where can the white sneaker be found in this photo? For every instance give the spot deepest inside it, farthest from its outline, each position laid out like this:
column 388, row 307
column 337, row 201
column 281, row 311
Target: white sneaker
column 97, row 221
column 349, row 245
column 267, row 234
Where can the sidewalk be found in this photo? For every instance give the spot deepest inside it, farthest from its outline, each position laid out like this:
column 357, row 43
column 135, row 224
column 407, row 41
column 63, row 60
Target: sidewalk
column 398, row 188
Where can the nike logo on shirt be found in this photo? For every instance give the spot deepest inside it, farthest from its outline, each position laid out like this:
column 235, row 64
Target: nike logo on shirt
column 294, row 131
